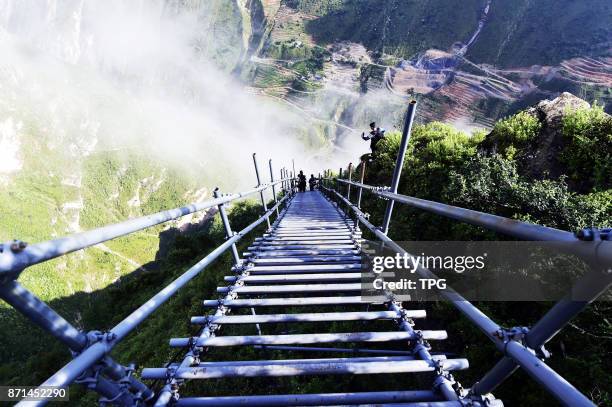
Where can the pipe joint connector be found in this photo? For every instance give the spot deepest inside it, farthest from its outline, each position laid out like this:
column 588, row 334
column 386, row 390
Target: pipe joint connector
column 594, row 234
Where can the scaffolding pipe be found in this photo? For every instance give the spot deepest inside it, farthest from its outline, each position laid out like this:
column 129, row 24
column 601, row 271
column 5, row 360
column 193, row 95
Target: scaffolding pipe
column 228, row 228
column 68, row 374
column 399, row 164
column 273, row 186
column 522, row 355
column 13, row 262
column 261, row 193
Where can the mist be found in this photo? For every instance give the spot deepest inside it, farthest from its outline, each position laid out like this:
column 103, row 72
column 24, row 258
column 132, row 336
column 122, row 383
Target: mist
column 127, row 74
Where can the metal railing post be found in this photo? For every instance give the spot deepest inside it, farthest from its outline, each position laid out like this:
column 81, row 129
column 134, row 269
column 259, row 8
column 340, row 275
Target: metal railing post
column 228, row 229
column 283, row 186
column 45, row 317
column 401, row 154
column 591, row 286
column 261, row 193
column 350, row 178
column 292, row 175
column 273, row 187
column 361, row 179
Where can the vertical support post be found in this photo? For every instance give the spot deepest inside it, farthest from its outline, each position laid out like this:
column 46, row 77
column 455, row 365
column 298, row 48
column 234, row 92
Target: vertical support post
column 292, row 176
column 261, row 193
column 293, row 164
column 228, row 229
column 337, row 180
column 361, row 179
column 401, row 154
column 273, row 186
column 350, row 178
column 284, row 183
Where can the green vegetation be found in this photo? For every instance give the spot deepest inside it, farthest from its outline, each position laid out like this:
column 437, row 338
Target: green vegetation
column 514, row 132
column 446, row 165
column 588, row 149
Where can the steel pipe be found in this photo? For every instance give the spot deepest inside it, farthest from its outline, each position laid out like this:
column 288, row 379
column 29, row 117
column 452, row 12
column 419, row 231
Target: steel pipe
column 399, row 164
column 324, row 399
column 222, row 341
column 295, row 302
column 304, row 369
column 67, row 374
column 281, row 318
column 13, row 263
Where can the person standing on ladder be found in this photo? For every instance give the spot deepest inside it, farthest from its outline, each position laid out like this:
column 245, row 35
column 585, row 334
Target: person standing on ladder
column 302, row 181
column 312, row 181
column 375, row 135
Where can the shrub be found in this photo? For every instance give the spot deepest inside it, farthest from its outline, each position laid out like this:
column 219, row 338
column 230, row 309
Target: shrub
column 588, row 136
column 514, row 132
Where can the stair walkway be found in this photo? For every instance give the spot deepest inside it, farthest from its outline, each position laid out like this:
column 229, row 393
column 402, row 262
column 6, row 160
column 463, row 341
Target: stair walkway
column 311, row 259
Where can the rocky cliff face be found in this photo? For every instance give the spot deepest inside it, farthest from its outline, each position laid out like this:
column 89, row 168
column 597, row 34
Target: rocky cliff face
column 562, row 137
column 543, row 156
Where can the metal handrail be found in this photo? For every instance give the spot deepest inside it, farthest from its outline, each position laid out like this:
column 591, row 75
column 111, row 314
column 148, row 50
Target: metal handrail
column 107, row 341
column 600, row 250
column 514, row 350
column 13, row 260
column 92, row 349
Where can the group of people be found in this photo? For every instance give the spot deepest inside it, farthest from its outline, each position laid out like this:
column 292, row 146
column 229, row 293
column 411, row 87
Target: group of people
column 302, row 182
column 375, row 135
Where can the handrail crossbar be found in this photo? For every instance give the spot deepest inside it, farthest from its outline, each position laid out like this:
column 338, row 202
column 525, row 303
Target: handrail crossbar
column 600, row 250
column 91, row 350
column 514, row 350
column 14, row 260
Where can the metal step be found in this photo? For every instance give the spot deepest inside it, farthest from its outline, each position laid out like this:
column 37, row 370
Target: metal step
column 316, row 317
column 294, row 302
column 313, row 268
column 280, row 278
column 305, row 259
column 292, row 288
column 350, row 246
column 321, row 399
column 287, row 253
column 317, row 238
column 304, row 242
column 304, row 369
column 222, row 341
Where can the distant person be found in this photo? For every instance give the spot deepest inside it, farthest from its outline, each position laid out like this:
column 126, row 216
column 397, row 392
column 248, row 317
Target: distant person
column 375, row 135
column 312, row 182
column 302, row 182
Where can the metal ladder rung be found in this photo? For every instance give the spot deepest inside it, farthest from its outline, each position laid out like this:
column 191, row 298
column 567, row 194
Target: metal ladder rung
column 294, row 302
column 304, row 369
column 306, row 259
column 287, row 253
column 269, row 239
column 291, row 288
column 313, row 277
column 299, row 339
column 320, row 399
column 306, row 267
column 303, row 247
column 315, row 317
column 307, row 233
column 280, row 243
